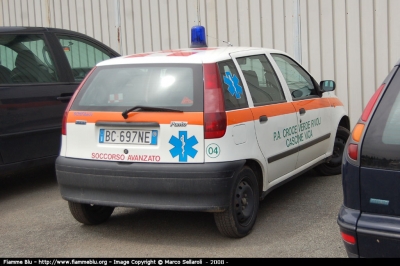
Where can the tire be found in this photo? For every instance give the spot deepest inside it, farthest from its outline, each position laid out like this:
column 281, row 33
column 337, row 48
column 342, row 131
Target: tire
column 90, row 214
column 238, row 220
column 334, row 165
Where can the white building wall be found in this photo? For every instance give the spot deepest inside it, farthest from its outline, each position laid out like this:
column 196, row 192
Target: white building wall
column 354, row 42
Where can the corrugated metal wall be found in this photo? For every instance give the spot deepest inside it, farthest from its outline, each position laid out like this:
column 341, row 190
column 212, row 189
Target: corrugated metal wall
column 354, row 42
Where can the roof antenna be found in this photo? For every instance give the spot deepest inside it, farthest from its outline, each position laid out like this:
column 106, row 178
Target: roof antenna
column 228, row 43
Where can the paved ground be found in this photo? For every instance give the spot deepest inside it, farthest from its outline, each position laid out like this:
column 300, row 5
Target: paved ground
column 297, row 220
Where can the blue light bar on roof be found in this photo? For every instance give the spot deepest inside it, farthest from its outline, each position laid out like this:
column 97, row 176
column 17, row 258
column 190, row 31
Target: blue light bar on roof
column 198, row 35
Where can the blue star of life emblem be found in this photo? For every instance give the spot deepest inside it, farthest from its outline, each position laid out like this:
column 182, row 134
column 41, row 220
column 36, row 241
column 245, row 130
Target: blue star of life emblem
column 183, row 146
column 233, row 85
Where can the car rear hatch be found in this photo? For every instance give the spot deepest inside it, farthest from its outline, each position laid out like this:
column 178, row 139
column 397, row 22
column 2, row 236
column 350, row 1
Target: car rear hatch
column 146, row 113
column 380, row 155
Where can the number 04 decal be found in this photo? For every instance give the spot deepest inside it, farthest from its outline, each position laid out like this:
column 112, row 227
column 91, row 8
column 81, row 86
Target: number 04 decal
column 213, row 150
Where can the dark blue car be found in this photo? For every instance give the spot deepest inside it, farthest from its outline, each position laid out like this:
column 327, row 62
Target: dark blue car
column 369, row 219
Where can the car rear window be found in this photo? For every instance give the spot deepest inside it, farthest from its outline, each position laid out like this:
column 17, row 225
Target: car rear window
column 381, row 145
column 116, row 88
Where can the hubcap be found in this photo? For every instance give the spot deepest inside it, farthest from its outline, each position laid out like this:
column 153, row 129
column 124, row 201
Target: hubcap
column 244, row 202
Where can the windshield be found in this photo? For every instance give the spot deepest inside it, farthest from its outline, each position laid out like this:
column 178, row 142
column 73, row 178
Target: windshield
column 117, row 88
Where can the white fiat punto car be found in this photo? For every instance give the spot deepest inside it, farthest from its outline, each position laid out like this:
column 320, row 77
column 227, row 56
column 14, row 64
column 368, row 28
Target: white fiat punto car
column 197, row 129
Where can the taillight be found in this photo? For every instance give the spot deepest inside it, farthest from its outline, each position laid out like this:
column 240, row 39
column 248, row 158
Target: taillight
column 357, row 132
column 353, row 151
column 64, row 120
column 368, row 109
column 214, row 103
column 348, row 238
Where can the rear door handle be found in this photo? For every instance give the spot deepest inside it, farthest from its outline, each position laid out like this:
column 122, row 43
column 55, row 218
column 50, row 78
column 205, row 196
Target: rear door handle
column 263, row 119
column 64, row 98
column 302, row 111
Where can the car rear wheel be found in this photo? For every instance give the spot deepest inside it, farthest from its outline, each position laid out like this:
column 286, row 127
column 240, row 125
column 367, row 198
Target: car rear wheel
column 239, row 219
column 90, row 214
column 334, row 165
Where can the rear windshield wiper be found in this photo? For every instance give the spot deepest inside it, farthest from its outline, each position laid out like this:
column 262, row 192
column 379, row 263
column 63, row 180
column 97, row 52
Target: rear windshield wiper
column 148, row 108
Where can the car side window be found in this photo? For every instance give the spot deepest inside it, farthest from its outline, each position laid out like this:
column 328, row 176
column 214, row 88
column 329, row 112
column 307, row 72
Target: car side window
column 261, row 80
column 298, row 80
column 7, row 59
column 25, row 59
column 235, row 97
column 82, row 55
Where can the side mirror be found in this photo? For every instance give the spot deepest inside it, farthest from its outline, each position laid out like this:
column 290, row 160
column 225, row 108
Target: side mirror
column 327, row 85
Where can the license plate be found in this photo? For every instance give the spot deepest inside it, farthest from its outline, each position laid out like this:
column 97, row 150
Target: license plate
column 123, row 136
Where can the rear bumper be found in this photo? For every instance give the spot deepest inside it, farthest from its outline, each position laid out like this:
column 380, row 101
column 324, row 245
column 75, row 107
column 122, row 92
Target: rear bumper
column 191, row 187
column 377, row 236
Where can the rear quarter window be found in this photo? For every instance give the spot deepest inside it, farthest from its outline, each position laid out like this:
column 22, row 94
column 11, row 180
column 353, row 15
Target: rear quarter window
column 381, row 144
column 116, row 88
column 233, row 99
